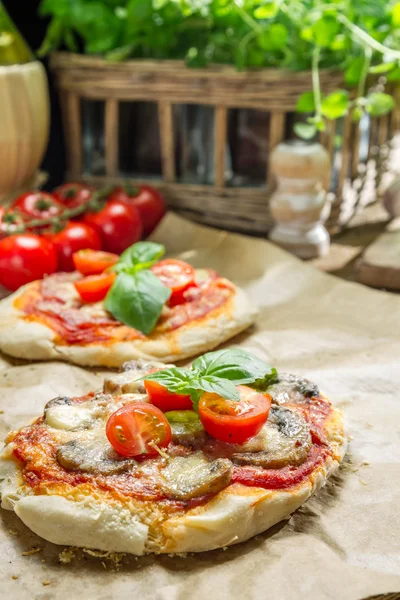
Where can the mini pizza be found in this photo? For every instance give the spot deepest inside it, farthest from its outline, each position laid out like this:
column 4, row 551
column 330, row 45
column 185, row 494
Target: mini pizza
column 113, row 309
column 151, row 465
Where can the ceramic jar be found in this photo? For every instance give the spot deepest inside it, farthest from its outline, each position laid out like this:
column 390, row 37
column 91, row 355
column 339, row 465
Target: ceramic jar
column 298, row 204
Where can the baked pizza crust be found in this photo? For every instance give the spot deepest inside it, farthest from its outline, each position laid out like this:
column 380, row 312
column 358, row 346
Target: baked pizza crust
column 234, row 515
column 32, row 340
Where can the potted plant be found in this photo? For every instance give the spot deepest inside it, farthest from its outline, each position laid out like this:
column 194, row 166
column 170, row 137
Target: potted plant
column 278, row 68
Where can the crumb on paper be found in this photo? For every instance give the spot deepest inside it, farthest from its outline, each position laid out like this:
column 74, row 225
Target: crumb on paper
column 32, row 551
column 66, row 556
column 366, row 463
column 15, row 577
column 13, row 532
column 369, row 425
column 363, row 482
column 351, row 438
column 46, row 582
column 1, row 412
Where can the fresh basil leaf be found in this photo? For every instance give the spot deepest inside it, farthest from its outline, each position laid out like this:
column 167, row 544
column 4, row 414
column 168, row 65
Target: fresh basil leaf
column 175, row 379
column 234, row 364
column 217, row 385
column 141, row 255
column 261, row 385
column 137, row 300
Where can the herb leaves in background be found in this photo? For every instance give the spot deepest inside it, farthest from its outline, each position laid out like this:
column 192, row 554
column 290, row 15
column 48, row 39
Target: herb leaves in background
column 217, row 372
column 137, row 296
column 361, row 38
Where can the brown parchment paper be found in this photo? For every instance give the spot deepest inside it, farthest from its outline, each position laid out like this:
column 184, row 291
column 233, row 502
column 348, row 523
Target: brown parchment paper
column 343, row 543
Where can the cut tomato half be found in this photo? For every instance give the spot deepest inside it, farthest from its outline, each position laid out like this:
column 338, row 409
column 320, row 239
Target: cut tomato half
column 93, row 262
column 234, row 422
column 177, row 275
column 136, row 429
column 94, row 288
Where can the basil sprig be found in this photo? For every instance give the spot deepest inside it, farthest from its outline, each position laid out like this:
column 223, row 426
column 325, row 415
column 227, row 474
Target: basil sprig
column 218, row 372
column 137, row 296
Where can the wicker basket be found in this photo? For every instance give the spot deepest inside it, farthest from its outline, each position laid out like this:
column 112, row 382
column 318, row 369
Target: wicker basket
column 169, row 83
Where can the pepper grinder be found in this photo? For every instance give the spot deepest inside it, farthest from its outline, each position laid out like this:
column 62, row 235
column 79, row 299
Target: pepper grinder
column 302, row 172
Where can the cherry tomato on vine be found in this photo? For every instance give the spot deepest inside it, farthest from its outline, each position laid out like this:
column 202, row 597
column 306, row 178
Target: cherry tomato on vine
column 72, row 195
column 93, row 262
column 147, row 200
column 165, row 400
column 118, row 224
column 10, row 220
column 25, row 257
column 134, row 429
column 234, row 422
column 38, row 205
column 176, row 275
column 94, row 288
column 75, row 236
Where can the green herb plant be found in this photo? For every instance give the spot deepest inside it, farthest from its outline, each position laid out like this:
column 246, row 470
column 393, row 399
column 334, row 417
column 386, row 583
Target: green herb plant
column 361, row 38
column 217, row 372
column 137, row 296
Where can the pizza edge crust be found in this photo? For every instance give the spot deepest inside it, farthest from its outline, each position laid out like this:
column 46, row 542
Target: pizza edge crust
column 35, row 341
column 234, row 515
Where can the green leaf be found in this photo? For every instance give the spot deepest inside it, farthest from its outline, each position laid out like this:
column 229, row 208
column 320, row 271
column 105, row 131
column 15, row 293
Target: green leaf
column 266, row 11
column 175, row 379
column 217, row 385
column 306, row 103
column 137, row 300
column 141, row 255
column 335, row 105
column 234, row 364
column 394, row 75
column 275, row 38
column 354, row 70
column 306, row 131
column 379, row 104
column 396, row 15
column 325, row 30
column 306, row 34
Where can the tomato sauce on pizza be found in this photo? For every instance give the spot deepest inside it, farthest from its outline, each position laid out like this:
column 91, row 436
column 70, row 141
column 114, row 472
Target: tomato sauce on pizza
column 54, row 302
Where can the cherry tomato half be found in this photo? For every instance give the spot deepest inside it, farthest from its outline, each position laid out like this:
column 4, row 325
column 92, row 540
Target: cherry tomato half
column 147, row 200
column 94, row 288
column 91, row 262
column 176, row 275
column 165, row 400
column 24, row 258
column 38, row 205
column 234, row 422
column 72, row 195
column 118, row 224
column 74, row 237
column 134, row 429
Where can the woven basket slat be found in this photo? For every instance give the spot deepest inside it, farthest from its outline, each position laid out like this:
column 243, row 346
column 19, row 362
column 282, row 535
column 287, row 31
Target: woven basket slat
column 111, row 118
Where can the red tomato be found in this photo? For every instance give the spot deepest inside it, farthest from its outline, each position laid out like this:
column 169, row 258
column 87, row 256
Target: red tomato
column 234, row 422
column 134, row 429
column 74, row 237
column 147, row 200
column 176, row 275
column 24, row 258
column 94, row 287
column 72, row 195
column 38, row 205
column 165, row 400
column 92, row 262
column 118, row 224
column 10, row 220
